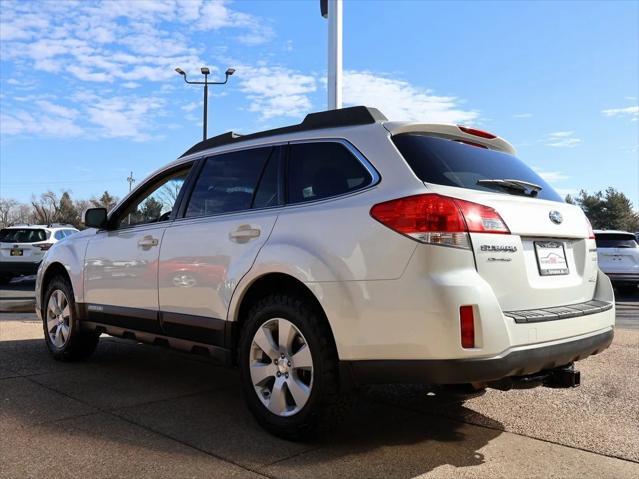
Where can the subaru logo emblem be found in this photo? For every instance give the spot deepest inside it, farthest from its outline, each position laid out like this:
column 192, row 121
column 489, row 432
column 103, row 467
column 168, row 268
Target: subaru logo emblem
column 555, row 217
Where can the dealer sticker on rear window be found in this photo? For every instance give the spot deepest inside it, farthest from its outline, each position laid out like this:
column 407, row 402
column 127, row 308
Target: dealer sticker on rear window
column 551, row 258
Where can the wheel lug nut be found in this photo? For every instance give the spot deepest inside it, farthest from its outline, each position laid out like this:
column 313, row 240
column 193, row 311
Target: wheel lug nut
column 288, row 363
column 282, row 356
column 279, row 374
column 275, row 361
column 286, row 375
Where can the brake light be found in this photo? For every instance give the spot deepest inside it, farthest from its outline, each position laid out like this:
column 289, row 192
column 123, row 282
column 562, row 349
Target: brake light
column 476, row 132
column 436, row 219
column 477, row 145
column 467, row 326
column 44, row 246
column 591, row 233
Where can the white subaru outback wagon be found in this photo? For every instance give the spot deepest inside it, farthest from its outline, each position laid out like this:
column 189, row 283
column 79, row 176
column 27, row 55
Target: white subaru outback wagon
column 344, row 250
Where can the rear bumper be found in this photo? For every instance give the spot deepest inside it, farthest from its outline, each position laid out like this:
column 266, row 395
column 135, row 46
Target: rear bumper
column 18, row 267
column 513, row 362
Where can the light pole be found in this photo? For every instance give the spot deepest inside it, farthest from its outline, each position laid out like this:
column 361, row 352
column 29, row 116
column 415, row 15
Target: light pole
column 205, row 71
column 131, row 180
column 332, row 9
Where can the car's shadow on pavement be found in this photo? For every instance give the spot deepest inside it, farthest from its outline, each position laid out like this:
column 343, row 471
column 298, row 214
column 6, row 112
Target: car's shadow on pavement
column 127, row 394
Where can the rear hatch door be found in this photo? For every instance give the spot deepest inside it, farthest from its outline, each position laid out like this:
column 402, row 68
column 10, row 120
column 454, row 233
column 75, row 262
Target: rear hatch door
column 618, row 253
column 547, row 260
column 541, row 263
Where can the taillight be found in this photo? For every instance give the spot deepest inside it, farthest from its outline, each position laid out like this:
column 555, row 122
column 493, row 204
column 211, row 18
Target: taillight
column 476, row 132
column 591, row 233
column 482, row 219
column 44, row 246
column 436, row 219
column 467, row 326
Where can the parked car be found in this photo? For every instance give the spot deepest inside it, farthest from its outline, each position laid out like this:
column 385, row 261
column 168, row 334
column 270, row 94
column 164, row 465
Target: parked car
column 23, row 247
column 618, row 253
column 344, row 250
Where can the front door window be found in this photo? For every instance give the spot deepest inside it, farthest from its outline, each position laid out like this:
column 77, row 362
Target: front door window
column 156, row 203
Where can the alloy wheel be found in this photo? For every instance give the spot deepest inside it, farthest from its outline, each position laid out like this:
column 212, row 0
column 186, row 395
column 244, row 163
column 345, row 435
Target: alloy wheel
column 281, row 367
column 58, row 318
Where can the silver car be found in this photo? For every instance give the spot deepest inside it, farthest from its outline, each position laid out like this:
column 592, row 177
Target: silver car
column 343, row 250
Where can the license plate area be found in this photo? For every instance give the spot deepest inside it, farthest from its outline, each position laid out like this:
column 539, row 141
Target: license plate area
column 16, row 252
column 551, row 258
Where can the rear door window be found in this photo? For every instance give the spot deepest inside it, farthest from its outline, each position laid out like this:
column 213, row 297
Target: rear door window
column 228, row 181
column 451, row 163
column 615, row 240
column 322, row 170
column 268, row 189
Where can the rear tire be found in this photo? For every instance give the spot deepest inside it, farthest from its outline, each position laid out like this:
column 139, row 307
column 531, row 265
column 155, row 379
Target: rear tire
column 302, row 399
column 62, row 333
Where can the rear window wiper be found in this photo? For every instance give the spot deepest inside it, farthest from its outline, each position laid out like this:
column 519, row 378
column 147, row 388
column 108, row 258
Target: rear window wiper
column 521, row 186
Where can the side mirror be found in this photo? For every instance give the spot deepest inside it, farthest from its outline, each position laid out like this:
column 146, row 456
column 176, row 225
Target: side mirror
column 95, row 218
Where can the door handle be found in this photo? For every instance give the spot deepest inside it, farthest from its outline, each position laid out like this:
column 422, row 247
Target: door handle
column 148, row 242
column 244, row 233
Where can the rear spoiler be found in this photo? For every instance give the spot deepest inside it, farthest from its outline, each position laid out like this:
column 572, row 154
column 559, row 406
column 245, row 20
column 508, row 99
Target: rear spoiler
column 451, row 132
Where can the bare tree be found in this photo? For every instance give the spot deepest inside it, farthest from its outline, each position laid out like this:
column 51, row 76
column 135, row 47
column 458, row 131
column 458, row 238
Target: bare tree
column 46, row 208
column 8, row 209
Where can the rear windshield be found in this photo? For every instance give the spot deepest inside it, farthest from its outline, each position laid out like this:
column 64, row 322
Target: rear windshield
column 615, row 240
column 22, row 235
column 451, row 163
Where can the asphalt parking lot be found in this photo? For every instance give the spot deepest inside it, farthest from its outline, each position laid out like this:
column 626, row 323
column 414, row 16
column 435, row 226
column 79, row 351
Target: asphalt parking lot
column 140, row 411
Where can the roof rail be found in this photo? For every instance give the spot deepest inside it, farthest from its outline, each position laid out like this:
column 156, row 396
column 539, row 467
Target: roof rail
column 352, row 116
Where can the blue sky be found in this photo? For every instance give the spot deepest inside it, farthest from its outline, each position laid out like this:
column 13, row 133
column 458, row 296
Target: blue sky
column 88, row 92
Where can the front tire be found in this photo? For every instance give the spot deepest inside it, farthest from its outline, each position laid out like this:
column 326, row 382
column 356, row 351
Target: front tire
column 62, row 334
column 288, row 368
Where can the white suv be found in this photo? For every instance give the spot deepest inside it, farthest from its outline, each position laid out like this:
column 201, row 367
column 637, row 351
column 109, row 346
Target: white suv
column 341, row 251
column 22, row 247
column 618, row 253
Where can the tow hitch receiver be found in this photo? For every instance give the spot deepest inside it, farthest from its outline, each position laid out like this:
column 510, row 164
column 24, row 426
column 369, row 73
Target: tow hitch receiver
column 562, row 377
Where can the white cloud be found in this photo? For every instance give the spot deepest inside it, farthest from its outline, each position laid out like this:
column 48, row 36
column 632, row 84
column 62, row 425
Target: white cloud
column 58, row 110
column 108, row 40
column 551, row 176
column 400, row 100
column 276, row 91
column 562, row 139
column 93, row 117
column 522, row 115
column 631, row 111
column 567, row 191
column 120, row 43
column 121, row 117
column 215, row 15
column 191, row 106
column 22, row 122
